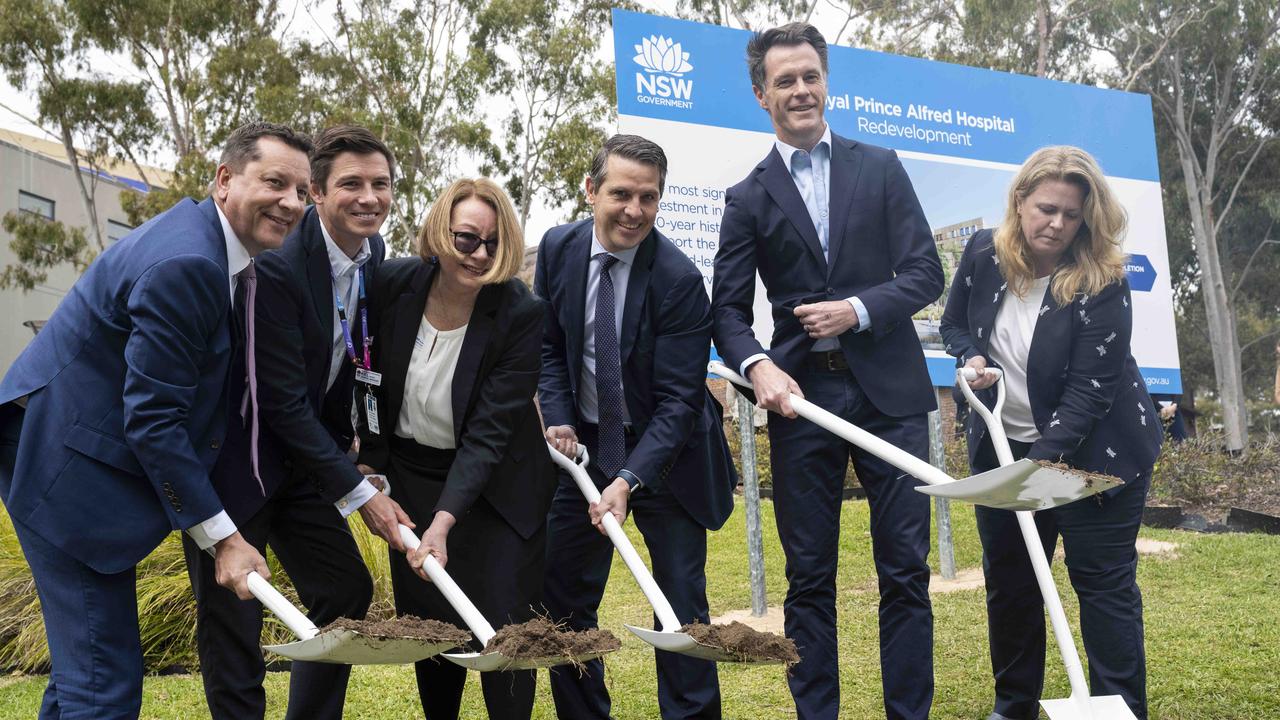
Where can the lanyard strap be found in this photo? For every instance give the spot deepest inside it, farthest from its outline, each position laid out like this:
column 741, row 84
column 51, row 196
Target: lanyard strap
column 365, row 340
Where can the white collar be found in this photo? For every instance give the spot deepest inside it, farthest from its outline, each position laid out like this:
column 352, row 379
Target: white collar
column 238, row 258
column 338, row 260
column 625, row 256
column 786, row 151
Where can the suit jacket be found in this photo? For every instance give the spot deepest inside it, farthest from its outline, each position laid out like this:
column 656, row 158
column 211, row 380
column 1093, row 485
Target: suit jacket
column 665, row 342
column 303, row 429
column 1088, row 399
column 881, row 250
column 501, row 454
column 125, row 415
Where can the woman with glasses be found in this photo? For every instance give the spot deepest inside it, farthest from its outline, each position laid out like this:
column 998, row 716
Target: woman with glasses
column 451, row 421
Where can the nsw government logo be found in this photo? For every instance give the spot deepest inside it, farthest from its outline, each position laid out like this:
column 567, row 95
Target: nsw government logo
column 663, row 81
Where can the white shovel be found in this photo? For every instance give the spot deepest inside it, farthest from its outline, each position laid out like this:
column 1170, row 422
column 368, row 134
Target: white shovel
column 480, row 628
column 1024, row 485
column 1080, row 706
column 669, row 638
column 343, row 647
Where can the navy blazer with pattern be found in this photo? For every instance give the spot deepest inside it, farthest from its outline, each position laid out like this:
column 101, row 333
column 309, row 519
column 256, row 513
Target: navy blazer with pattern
column 1088, row 399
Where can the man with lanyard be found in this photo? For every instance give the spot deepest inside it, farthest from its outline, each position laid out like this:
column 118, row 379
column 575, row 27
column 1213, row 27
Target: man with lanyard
column 295, row 485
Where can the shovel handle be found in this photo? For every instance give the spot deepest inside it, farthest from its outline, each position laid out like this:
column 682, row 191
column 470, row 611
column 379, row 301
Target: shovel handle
column 293, row 618
column 832, row 423
column 661, row 606
column 461, row 603
column 995, row 425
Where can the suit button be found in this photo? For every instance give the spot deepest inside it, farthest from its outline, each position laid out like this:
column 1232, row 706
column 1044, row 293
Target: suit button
column 214, row 445
column 831, row 291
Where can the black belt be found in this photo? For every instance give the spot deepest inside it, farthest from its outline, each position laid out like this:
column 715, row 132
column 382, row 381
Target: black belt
column 828, row 360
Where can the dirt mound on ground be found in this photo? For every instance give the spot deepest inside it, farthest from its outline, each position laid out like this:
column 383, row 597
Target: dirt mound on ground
column 744, row 643
column 540, row 638
column 405, row 626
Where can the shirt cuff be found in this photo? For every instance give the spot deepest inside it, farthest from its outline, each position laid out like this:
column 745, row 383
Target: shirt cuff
column 751, row 361
column 212, row 531
column 355, row 499
column 633, row 482
column 864, row 318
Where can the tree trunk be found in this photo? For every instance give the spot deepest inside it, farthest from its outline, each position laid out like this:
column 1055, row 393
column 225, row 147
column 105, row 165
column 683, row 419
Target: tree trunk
column 86, row 195
column 1042, row 37
column 1277, row 390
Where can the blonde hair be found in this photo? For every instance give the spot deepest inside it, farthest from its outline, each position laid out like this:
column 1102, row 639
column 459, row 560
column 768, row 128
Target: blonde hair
column 435, row 239
column 1094, row 258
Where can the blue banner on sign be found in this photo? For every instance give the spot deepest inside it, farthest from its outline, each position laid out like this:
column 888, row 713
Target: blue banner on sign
column 680, row 70
column 1142, row 276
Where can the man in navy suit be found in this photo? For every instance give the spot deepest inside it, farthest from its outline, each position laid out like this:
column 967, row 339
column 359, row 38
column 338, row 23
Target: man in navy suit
column 623, row 372
column 312, row 326
column 837, row 235
column 111, row 420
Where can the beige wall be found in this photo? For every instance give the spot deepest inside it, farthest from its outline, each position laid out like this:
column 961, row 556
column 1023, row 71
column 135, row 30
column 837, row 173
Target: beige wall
column 21, row 169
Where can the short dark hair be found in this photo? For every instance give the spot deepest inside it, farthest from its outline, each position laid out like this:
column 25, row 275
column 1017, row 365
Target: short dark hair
column 331, row 142
column 241, row 148
column 631, row 147
column 796, row 33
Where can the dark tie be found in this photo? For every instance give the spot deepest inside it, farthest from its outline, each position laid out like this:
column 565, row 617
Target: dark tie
column 249, row 278
column 612, row 450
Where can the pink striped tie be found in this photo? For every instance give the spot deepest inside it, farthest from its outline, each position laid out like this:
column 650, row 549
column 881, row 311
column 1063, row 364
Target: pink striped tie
column 249, row 276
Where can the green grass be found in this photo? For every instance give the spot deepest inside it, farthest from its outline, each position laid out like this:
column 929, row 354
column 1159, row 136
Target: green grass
column 1213, row 640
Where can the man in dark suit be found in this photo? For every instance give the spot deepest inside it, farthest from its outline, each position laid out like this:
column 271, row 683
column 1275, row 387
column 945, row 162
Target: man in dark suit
column 835, row 231
column 111, row 420
column 623, row 366
column 312, row 326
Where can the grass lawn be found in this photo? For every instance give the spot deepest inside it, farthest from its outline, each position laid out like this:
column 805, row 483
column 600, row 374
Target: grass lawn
column 1212, row 623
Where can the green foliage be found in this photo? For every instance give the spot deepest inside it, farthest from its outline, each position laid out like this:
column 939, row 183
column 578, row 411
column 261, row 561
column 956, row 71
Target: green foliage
column 40, row 244
column 1201, row 476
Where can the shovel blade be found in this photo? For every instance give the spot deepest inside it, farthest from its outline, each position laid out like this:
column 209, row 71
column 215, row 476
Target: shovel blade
column 1103, row 707
column 1024, row 485
column 347, row 647
column 490, row 662
column 683, row 643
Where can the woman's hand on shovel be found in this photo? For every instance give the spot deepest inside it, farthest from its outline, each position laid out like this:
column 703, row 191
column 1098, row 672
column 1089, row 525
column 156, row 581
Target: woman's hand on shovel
column 434, row 543
column 984, row 379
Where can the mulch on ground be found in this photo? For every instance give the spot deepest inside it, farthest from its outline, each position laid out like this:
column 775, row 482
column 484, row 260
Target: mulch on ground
column 745, row 644
column 404, row 626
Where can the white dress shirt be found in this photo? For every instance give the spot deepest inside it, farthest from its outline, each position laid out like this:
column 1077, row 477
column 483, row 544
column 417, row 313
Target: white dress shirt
column 426, row 415
column 813, row 182
column 1010, row 345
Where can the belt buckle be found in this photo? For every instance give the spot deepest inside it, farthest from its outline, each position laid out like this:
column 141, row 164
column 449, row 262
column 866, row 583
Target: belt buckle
column 830, row 360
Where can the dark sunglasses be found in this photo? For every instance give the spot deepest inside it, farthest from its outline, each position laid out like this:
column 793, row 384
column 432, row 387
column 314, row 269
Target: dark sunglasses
column 467, row 243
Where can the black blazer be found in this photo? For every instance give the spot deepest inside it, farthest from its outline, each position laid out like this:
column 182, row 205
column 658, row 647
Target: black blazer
column 665, row 343
column 303, row 429
column 502, row 456
column 881, row 250
column 1088, row 399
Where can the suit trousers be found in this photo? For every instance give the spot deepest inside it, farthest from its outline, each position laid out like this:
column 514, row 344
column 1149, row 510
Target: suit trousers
column 578, row 563
column 1098, row 535
column 316, row 548
column 90, row 619
column 809, row 466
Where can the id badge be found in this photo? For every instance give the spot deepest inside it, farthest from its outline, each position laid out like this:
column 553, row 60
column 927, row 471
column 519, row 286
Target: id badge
column 371, row 413
column 368, row 377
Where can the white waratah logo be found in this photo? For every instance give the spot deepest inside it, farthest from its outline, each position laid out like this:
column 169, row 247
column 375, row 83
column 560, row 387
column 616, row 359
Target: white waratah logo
column 662, row 55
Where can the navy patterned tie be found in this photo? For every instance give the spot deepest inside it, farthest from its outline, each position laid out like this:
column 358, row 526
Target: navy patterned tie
column 612, row 449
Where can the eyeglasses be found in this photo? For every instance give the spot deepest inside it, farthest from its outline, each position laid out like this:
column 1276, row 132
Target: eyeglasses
column 467, row 243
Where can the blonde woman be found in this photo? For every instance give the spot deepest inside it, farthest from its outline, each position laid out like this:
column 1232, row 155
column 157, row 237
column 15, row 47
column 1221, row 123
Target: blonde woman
column 459, row 348
column 1044, row 297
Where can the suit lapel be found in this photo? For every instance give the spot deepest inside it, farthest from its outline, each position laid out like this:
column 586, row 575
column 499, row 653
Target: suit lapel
column 474, row 343
column 637, row 289
column 781, row 187
column 988, row 290
column 1045, row 351
column 319, row 276
column 577, row 258
column 846, row 166
column 406, row 319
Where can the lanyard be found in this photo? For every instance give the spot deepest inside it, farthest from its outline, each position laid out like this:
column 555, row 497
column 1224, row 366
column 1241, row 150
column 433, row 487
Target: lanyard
column 364, row 320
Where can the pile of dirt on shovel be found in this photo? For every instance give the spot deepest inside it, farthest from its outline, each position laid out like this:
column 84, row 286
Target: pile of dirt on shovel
column 744, row 643
column 541, row 638
column 1090, row 478
column 405, row 626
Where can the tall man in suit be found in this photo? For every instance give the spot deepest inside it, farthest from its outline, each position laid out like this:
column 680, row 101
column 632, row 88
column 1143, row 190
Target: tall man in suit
column 313, row 329
column 111, row 420
column 623, row 365
column 835, row 231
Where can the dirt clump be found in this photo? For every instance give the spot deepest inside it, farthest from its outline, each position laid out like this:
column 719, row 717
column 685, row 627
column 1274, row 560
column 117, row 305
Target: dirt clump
column 1090, row 478
column 540, row 638
column 405, row 626
column 744, row 643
